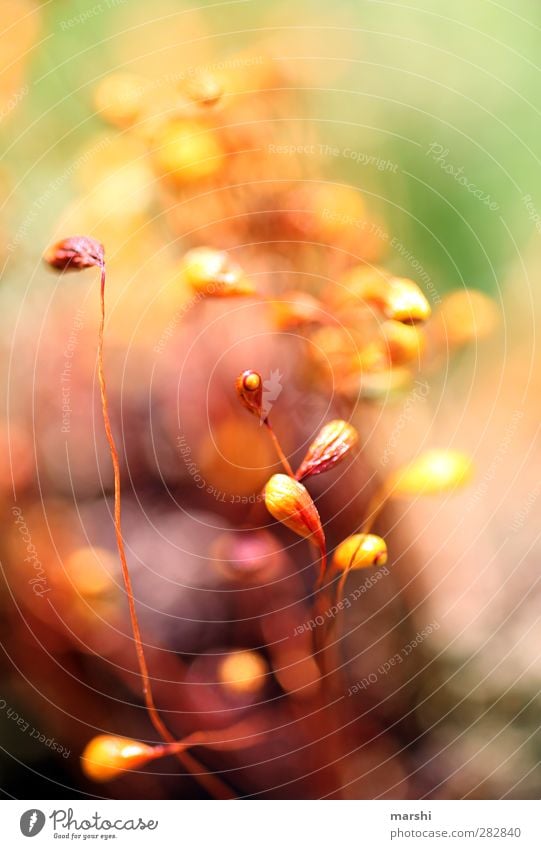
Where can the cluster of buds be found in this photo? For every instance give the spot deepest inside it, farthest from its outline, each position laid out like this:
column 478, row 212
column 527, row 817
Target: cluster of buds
column 368, row 329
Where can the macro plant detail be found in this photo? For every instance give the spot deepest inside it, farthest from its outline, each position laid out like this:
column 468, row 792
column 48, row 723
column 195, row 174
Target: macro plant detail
column 261, row 556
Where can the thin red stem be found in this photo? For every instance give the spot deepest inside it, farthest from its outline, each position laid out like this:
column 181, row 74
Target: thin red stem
column 210, row 782
column 283, row 459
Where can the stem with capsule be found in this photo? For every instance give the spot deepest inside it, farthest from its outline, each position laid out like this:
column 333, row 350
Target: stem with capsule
column 210, row 782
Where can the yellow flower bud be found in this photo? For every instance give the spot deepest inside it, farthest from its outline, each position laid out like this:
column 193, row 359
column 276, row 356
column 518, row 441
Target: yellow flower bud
column 432, row 473
column 405, row 302
column 105, row 757
column 120, row 98
column 360, row 551
column 187, row 152
column 243, row 672
column 466, row 315
column 404, row 343
column 204, row 89
column 290, row 503
column 212, row 273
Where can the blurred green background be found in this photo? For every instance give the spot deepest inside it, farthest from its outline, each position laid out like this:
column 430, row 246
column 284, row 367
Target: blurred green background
column 387, row 79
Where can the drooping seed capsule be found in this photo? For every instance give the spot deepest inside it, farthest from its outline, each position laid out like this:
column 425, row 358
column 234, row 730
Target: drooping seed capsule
column 249, row 387
column 212, row 273
column 432, row 473
column 360, row 551
column 405, row 302
column 243, row 672
column 106, row 757
column 330, row 446
column 291, row 504
column 75, row 253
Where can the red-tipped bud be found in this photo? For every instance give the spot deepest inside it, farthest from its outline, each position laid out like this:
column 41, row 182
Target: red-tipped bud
column 249, row 387
column 75, row 253
column 291, row 504
column 106, row 757
column 330, row 446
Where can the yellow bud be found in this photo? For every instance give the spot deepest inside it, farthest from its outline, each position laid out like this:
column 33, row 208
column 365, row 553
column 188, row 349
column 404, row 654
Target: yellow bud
column 188, row 152
column 105, row 757
column 431, row 474
column 204, row 89
column 120, row 98
column 405, row 302
column 360, row 551
column 404, row 343
column 291, row 504
column 243, row 672
column 467, row 315
column 212, row 273
column 363, row 283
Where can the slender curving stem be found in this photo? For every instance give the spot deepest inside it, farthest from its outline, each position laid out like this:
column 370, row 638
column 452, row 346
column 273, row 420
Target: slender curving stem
column 283, row 459
column 375, row 506
column 210, row 782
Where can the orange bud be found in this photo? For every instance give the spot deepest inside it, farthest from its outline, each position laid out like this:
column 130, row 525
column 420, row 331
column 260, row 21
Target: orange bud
column 467, row 315
column 249, row 387
column 187, row 152
column 296, row 309
column 120, row 98
column 204, row 90
column 75, row 253
column 404, row 342
column 405, row 302
column 363, row 283
column 432, row 473
column 243, row 672
column 105, row 757
column 212, row 273
column 291, row 504
column 360, row 551
column 329, row 447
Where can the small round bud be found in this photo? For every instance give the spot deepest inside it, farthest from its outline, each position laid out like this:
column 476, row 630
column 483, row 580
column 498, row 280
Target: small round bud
column 120, row 97
column 105, row 757
column 249, row 387
column 405, row 302
column 364, row 284
column 204, row 89
column 187, row 152
column 243, row 672
column 291, row 504
column 432, row 473
column 212, row 273
column 360, row 551
column 404, row 343
column 467, row 315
